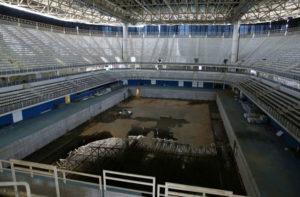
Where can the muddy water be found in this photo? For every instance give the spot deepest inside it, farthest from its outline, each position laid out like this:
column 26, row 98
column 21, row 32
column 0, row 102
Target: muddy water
column 196, row 123
column 162, row 129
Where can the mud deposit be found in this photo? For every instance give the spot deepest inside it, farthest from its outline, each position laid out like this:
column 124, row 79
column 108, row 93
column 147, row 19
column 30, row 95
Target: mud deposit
column 193, row 123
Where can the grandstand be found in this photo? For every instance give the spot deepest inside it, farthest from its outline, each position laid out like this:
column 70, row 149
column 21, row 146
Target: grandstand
column 64, row 64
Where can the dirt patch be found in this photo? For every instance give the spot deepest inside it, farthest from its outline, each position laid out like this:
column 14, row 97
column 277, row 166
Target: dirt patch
column 185, row 121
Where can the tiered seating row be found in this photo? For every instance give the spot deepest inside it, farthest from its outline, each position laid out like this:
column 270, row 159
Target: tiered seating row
column 273, row 55
column 18, row 99
column 24, row 48
column 283, row 107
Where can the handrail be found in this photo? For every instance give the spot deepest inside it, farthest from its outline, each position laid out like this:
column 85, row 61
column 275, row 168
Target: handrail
column 153, row 66
column 44, row 170
column 159, row 187
column 174, row 189
column 108, row 175
column 66, row 172
column 31, row 165
column 26, row 185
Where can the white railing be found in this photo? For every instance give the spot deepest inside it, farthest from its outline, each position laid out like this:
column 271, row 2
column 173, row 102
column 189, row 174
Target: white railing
column 150, row 66
column 46, row 171
column 34, row 168
column 131, row 179
column 68, row 172
column 180, row 190
column 15, row 184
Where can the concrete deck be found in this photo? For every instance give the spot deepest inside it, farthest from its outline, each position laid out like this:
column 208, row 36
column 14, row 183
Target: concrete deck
column 276, row 171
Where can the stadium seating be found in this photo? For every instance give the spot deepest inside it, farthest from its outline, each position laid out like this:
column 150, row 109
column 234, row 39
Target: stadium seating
column 272, row 54
column 21, row 98
column 282, row 107
column 24, row 48
column 177, row 49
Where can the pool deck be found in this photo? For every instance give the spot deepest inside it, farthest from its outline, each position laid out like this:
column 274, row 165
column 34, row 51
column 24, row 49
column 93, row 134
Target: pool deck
column 275, row 170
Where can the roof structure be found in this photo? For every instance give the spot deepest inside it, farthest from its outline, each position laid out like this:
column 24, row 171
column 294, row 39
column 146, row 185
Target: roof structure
column 163, row 11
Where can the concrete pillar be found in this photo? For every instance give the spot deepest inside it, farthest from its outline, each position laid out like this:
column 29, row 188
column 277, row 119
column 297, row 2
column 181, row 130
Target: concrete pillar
column 125, row 42
column 286, row 27
column 159, row 30
column 17, row 116
column 235, row 42
column 270, row 26
column 241, row 95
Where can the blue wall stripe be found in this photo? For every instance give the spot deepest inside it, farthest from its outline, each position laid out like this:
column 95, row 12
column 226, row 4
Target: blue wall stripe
column 6, row 120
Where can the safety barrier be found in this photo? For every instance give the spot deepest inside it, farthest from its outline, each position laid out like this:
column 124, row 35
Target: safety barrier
column 34, row 168
column 48, row 171
column 180, row 190
column 131, row 179
column 60, row 177
column 15, row 184
column 270, row 74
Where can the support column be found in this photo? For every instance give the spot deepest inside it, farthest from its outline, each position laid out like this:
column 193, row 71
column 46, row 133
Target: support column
column 125, row 42
column 235, row 42
column 159, row 30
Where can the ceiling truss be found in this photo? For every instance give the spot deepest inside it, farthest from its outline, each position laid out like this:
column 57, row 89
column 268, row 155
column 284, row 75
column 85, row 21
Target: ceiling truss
column 164, row 11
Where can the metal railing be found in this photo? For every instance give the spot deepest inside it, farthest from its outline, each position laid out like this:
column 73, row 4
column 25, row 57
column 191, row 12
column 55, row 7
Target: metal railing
column 131, row 179
column 46, row 171
column 151, row 66
column 50, row 171
column 32, row 168
column 180, row 190
column 15, row 184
